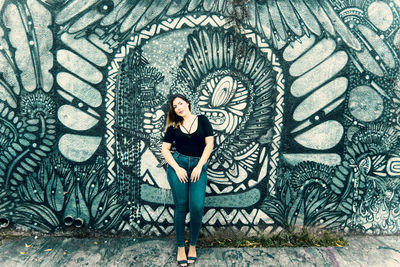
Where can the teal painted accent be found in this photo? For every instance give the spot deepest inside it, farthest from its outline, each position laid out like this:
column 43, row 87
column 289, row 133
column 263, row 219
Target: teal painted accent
column 163, row 196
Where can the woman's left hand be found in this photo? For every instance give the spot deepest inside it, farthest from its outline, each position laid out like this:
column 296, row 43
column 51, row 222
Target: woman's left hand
column 194, row 177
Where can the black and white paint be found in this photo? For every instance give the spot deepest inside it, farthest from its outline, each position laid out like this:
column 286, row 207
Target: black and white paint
column 303, row 97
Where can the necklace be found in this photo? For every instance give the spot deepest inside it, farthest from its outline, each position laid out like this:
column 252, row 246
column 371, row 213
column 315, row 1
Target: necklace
column 190, row 128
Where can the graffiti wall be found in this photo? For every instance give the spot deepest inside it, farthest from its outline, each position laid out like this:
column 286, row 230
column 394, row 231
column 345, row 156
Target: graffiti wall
column 303, row 96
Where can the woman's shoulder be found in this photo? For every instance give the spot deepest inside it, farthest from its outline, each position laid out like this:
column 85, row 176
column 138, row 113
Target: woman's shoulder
column 171, row 128
column 202, row 117
column 206, row 125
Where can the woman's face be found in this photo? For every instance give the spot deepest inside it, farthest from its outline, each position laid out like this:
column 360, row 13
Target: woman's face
column 181, row 107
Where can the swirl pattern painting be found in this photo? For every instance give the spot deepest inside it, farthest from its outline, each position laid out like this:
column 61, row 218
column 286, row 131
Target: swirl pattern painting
column 303, row 97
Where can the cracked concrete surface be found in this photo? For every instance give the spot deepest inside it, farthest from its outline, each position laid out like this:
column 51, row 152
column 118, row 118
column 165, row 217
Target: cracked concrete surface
column 58, row 251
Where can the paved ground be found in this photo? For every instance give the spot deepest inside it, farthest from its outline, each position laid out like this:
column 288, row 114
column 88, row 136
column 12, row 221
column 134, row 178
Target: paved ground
column 56, row 251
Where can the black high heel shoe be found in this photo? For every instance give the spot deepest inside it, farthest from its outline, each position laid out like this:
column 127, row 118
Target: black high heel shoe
column 192, row 259
column 183, row 263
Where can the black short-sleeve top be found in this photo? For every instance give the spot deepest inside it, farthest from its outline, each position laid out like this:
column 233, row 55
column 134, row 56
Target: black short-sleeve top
column 190, row 144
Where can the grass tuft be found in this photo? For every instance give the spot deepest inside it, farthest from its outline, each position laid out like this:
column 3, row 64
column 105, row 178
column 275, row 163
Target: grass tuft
column 302, row 238
column 4, row 237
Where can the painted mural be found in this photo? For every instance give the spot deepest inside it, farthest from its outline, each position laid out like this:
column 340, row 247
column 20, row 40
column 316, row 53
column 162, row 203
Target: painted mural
column 303, row 96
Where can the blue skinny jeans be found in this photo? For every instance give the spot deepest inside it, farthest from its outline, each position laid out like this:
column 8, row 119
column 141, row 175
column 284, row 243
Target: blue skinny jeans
column 188, row 196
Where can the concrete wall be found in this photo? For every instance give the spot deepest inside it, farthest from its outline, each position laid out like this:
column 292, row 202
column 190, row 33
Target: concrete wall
column 303, row 97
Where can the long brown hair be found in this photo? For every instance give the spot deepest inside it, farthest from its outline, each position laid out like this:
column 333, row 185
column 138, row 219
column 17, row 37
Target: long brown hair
column 173, row 118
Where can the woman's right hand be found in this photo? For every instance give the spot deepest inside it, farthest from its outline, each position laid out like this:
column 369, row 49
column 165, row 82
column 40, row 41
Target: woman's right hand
column 182, row 174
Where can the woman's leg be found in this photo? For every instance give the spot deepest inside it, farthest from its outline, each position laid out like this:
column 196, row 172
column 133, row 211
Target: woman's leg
column 180, row 194
column 197, row 193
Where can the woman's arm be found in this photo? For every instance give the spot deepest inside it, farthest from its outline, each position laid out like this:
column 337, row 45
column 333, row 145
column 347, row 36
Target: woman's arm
column 204, row 157
column 180, row 172
column 165, row 151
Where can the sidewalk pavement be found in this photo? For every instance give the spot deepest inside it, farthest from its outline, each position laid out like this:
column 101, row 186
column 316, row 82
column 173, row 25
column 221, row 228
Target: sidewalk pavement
column 60, row 251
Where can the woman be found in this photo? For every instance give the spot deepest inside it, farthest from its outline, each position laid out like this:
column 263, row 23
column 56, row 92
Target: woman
column 193, row 138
